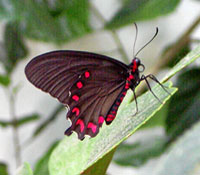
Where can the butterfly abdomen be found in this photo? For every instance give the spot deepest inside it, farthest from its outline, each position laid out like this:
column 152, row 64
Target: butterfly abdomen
column 113, row 111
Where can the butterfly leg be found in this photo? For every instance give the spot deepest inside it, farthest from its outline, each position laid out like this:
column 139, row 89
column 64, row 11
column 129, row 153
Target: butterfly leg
column 151, row 76
column 135, row 98
column 143, row 77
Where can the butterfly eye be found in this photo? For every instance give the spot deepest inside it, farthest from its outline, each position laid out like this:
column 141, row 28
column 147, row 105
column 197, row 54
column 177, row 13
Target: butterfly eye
column 141, row 68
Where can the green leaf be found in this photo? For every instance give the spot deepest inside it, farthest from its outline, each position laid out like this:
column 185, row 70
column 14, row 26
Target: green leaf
column 184, row 106
column 4, row 80
column 188, row 59
column 56, row 21
column 41, row 166
column 179, row 55
column 25, row 169
column 77, row 156
column 138, row 153
column 3, row 169
column 100, row 166
column 14, row 45
column 49, row 120
column 183, row 157
column 21, row 121
column 158, row 119
column 139, row 10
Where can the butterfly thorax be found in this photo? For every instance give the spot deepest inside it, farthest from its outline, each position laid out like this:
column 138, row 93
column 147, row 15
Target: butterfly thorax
column 133, row 77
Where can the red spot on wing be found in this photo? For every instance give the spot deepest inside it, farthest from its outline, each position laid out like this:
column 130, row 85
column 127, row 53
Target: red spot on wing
column 87, row 74
column 110, row 117
column 80, row 122
column 131, row 76
column 117, row 103
column 92, row 126
column 75, row 97
column 101, row 119
column 76, row 110
column 79, row 85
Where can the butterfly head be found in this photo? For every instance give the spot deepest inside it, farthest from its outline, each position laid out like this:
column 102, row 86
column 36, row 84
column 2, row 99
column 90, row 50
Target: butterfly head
column 137, row 66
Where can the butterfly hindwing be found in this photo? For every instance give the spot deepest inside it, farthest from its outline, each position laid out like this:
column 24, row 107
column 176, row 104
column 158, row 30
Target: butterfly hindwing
column 88, row 83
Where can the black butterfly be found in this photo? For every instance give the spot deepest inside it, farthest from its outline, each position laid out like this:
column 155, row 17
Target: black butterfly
column 92, row 86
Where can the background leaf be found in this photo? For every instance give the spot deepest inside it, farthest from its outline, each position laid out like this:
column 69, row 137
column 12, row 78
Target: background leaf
column 139, row 10
column 100, row 166
column 188, row 59
column 56, row 21
column 3, row 169
column 25, row 169
column 4, row 80
column 138, row 153
column 184, row 106
column 41, row 166
column 183, row 156
column 14, row 46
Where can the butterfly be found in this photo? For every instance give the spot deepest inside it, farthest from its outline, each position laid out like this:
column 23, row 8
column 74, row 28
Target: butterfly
column 91, row 86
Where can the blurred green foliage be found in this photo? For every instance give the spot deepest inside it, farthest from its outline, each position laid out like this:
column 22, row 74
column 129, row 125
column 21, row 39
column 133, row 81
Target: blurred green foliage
column 41, row 166
column 183, row 111
column 22, row 121
column 139, row 10
column 3, row 169
column 47, row 20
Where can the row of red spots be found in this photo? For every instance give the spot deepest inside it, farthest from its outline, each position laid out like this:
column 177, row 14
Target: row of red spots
column 101, row 119
column 87, row 74
column 79, row 84
column 127, row 85
column 114, row 112
column 110, row 117
column 80, row 122
column 76, row 110
column 123, row 95
column 92, row 126
column 75, row 97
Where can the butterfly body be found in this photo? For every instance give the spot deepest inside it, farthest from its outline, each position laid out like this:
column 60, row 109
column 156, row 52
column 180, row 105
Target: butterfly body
column 92, row 86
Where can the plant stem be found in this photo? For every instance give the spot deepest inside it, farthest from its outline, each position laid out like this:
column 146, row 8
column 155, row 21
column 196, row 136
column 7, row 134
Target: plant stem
column 15, row 130
column 113, row 33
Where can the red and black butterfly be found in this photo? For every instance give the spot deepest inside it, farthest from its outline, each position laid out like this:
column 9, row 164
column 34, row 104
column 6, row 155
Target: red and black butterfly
column 92, row 86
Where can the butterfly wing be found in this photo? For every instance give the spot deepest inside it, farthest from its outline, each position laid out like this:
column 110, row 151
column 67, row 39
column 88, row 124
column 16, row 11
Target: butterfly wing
column 87, row 83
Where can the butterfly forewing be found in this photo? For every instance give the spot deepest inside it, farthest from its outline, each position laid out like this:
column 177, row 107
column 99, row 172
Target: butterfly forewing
column 88, row 83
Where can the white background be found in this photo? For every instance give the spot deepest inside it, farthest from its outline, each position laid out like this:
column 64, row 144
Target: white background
column 31, row 99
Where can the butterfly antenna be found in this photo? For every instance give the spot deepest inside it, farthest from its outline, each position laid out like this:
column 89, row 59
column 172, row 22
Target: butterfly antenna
column 148, row 41
column 136, row 34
